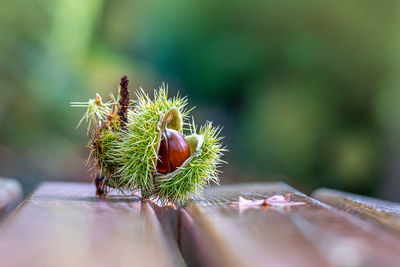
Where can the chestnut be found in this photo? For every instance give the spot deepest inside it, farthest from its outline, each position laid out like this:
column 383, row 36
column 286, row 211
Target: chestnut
column 173, row 151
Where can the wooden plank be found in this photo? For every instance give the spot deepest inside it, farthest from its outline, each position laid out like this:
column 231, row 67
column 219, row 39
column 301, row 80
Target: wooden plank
column 380, row 211
column 10, row 196
column 169, row 220
column 63, row 224
column 213, row 233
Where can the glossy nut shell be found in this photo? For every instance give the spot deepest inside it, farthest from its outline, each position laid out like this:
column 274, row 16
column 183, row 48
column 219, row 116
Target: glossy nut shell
column 173, row 151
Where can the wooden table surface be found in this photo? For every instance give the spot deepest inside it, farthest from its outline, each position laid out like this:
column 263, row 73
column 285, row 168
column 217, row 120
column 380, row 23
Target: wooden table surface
column 63, row 224
column 10, row 195
column 311, row 235
column 385, row 213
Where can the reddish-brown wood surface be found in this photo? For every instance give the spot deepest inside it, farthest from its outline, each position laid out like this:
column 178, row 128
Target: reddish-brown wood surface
column 383, row 212
column 10, row 195
column 213, row 233
column 63, row 224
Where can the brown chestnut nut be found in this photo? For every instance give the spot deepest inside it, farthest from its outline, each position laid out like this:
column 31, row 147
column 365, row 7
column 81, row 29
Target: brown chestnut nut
column 174, row 150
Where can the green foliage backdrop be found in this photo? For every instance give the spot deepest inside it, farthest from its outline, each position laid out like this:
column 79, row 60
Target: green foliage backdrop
column 307, row 92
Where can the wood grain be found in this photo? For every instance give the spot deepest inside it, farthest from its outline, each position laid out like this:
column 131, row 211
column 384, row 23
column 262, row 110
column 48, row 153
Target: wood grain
column 63, row 224
column 10, row 196
column 383, row 212
column 213, row 233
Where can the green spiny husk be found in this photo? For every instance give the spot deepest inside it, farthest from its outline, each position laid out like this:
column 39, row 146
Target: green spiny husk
column 128, row 156
column 102, row 144
column 137, row 152
column 199, row 172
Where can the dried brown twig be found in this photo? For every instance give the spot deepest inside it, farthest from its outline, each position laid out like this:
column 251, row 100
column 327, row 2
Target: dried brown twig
column 123, row 101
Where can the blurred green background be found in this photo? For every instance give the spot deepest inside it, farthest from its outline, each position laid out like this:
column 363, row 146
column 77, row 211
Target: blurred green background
column 307, row 91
